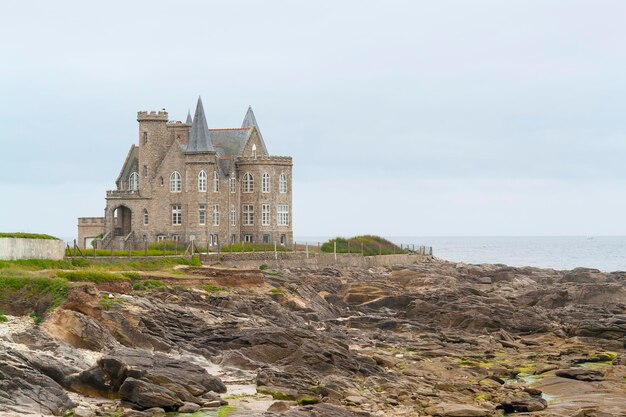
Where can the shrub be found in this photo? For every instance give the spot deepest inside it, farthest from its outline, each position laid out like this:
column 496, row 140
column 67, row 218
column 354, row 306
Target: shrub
column 263, row 266
column 37, row 318
column 195, row 261
column 3, row 318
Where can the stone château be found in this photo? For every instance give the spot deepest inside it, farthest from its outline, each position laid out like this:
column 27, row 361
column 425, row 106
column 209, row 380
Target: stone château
column 188, row 182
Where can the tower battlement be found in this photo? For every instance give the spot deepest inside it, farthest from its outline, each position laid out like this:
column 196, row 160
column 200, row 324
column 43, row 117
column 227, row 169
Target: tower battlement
column 160, row 115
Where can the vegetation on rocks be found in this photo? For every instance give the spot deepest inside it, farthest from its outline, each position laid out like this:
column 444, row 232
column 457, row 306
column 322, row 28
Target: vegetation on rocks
column 91, row 276
column 369, row 245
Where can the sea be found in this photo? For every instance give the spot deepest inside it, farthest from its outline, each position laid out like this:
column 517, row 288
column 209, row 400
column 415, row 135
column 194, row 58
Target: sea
column 606, row 253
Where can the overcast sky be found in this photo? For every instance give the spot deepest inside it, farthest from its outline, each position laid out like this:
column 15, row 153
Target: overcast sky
column 404, row 118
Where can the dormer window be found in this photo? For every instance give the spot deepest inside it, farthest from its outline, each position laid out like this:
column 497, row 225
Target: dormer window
column 133, row 182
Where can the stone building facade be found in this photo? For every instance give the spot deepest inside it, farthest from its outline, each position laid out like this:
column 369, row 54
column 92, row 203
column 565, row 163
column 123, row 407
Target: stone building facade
column 186, row 181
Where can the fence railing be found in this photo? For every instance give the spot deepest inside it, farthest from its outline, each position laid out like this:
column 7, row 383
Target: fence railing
column 129, row 248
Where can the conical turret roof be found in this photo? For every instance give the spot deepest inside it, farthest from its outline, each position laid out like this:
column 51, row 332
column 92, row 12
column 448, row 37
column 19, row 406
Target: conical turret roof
column 199, row 140
column 250, row 121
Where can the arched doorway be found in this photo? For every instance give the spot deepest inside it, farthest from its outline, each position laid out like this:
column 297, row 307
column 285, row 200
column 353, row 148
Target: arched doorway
column 122, row 217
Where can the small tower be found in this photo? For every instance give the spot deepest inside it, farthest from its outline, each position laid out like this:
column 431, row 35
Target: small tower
column 153, row 141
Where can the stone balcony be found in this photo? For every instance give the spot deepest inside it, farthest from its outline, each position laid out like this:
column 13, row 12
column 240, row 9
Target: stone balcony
column 123, row 194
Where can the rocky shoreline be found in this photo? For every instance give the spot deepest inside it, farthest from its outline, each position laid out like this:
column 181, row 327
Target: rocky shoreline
column 433, row 338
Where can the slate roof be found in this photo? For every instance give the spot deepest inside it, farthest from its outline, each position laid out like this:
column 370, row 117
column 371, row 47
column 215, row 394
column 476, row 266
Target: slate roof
column 130, row 164
column 229, row 144
column 199, row 141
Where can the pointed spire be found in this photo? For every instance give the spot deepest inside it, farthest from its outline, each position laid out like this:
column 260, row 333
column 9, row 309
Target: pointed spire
column 189, row 121
column 250, row 121
column 199, row 140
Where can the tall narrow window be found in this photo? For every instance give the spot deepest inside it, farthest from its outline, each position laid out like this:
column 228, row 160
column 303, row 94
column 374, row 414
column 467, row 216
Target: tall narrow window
column 145, row 216
column 265, row 214
column 233, row 184
column 216, row 215
column 254, row 151
column 216, row 182
column 145, row 138
column 177, row 214
column 133, row 182
column 202, row 182
column 202, row 214
column 145, row 170
column 233, row 216
column 265, row 183
column 248, row 214
column 282, row 183
column 248, row 183
column 283, row 215
column 176, row 184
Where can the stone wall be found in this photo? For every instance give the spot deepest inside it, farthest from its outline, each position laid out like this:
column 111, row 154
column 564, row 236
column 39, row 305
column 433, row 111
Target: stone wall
column 17, row 248
column 299, row 259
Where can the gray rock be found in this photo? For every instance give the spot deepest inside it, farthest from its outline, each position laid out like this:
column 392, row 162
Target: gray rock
column 517, row 405
column 146, row 395
column 189, row 408
column 580, row 374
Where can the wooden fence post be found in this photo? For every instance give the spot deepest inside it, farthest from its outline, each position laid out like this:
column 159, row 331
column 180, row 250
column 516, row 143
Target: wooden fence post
column 307, row 249
column 130, row 248
column 275, row 251
column 335, row 248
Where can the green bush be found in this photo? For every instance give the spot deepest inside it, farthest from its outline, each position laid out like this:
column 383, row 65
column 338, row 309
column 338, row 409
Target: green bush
column 37, row 318
column 263, row 266
column 195, row 261
column 169, row 245
column 3, row 318
column 372, row 245
column 22, row 235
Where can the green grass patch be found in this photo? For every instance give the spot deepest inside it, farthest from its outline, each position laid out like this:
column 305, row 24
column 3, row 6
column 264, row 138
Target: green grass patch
column 106, row 302
column 277, row 291
column 131, row 275
column 36, row 264
column 48, row 291
column 22, row 235
column 211, row 288
column 370, row 245
column 263, row 267
column 91, row 276
column 37, row 318
column 3, row 318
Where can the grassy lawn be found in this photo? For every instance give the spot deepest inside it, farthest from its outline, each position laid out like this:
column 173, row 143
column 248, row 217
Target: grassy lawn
column 29, row 236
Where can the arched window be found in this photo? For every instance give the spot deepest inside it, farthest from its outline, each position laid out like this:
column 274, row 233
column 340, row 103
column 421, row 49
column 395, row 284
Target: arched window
column 216, row 182
column 133, row 182
column 254, row 150
column 282, row 183
column 248, row 183
column 145, row 216
column 265, row 183
column 202, row 182
column 176, row 184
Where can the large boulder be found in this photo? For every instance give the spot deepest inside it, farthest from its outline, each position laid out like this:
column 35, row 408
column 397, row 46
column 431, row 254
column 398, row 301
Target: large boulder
column 22, row 387
column 145, row 395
